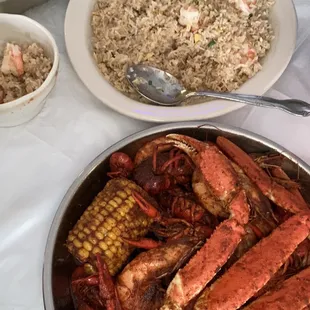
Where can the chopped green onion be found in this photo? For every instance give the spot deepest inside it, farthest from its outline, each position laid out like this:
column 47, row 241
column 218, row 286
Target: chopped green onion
column 150, row 82
column 211, row 43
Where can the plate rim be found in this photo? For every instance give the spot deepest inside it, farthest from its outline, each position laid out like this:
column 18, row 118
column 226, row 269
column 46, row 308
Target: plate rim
column 76, row 21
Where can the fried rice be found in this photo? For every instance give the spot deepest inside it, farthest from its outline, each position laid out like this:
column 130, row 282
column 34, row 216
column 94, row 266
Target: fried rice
column 36, row 67
column 224, row 52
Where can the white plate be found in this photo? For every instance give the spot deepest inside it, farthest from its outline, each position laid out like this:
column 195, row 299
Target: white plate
column 78, row 34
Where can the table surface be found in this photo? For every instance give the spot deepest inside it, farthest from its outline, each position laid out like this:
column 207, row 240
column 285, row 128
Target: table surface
column 40, row 160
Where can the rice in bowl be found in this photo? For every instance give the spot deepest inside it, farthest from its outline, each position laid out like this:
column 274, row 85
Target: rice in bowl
column 23, row 69
column 206, row 44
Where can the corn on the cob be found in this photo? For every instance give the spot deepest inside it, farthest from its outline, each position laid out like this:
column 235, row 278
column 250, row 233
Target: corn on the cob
column 113, row 214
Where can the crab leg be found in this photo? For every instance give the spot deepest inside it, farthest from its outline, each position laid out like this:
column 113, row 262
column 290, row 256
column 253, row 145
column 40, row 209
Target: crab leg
column 293, row 293
column 279, row 173
column 202, row 268
column 298, row 261
column 255, row 268
column 274, row 191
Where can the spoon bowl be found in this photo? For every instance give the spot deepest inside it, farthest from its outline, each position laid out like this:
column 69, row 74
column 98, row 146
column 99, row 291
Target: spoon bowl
column 164, row 89
column 156, row 85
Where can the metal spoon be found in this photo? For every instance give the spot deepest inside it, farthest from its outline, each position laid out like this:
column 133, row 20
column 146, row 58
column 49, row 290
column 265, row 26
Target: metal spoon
column 164, row 89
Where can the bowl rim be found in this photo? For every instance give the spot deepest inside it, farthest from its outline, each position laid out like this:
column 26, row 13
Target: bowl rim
column 77, row 21
column 82, row 176
column 52, row 73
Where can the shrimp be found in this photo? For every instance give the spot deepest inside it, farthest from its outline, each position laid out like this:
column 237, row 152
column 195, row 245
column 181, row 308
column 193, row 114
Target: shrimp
column 12, row 60
column 246, row 6
column 189, row 17
column 139, row 286
column 248, row 54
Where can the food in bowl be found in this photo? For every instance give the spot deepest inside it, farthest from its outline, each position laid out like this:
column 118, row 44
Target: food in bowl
column 182, row 222
column 24, row 68
column 206, row 44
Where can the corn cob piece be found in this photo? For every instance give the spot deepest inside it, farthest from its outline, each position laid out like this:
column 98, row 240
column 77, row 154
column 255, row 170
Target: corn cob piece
column 113, row 214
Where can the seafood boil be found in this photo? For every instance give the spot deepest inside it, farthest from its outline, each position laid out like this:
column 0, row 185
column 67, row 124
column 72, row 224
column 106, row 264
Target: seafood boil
column 190, row 224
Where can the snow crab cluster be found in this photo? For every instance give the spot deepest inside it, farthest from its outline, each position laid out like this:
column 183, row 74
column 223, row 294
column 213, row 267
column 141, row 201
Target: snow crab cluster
column 229, row 231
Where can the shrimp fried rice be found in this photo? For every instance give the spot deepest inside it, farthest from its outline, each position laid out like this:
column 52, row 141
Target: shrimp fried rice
column 206, row 44
column 23, row 69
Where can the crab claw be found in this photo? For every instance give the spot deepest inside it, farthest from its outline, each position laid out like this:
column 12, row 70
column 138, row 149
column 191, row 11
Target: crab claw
column 189, row 145
column 215, row 167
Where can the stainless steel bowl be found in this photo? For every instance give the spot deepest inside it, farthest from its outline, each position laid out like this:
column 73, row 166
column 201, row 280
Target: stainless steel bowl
column 58, row 263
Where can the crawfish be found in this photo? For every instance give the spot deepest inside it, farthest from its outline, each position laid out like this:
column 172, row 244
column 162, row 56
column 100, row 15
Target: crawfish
column 272, row 164
column 165, row 226
column 121, row 165
column 163, row 171
column 184, row 205
column 96, row 291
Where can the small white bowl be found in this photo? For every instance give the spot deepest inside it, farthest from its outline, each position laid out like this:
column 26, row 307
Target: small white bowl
column 22, row 29
column 78, row 42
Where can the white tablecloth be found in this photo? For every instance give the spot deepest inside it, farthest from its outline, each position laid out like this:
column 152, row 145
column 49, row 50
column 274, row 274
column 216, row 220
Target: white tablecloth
column 40, row 160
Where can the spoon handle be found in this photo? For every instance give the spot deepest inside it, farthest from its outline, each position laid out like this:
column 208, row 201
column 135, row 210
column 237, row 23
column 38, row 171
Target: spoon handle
column 292, row 106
